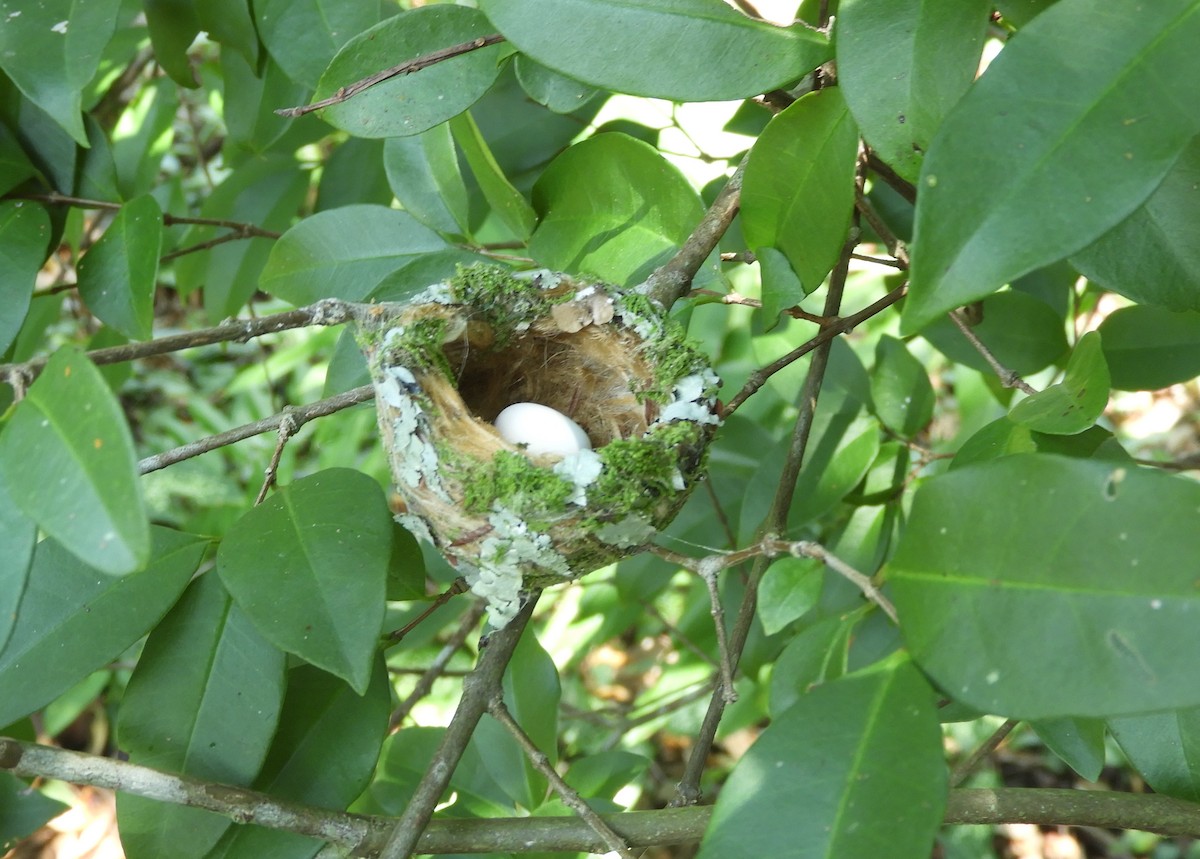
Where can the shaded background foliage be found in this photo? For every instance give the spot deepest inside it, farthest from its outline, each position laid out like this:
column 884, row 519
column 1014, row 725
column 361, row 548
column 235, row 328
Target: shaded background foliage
column 1011, row 475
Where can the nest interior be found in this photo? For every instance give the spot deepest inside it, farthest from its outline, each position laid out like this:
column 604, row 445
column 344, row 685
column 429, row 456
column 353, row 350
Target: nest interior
column 590, row 376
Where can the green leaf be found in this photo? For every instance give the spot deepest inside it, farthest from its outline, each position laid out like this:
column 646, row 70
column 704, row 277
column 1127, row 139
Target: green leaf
column 117, row 275
column 1079, row 742
column 613, row 207
column 412, row 103
column 72, row 620
column 1082, row 114
column 143, row 135
column 24, row 235
column 230, row 23
column 1151, row 256
column 354, row 173
column 1097, row 558
column 173, row 26
column 531, row 692
column 818, row 654
column 67, row 457
column 1165, row 750
column 507, row 202
column 266, row 192
column 323, row 754
column 789, row 589
column 252, row 94
column 304, row 36
column 24, row 810
column 15, row 166
column 1077, row 401
column 556, row 91
column 781, row 289
column 406, row 567
column 1149, row 347
column 900, row 388
column 837, row 462
column 855, row 767
column 203, row 701
column 52, row 49
column 716, row 53
column 1023, row 333
column 18, row 533
column 344, row 253
column 423, row 173
column 309, row 567
column 798, row 193
column 902, row 65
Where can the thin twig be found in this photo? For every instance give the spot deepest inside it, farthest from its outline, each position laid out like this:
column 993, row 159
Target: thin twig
column 809, row 549
column 405, row 68
column 236, row 235
column 458, row 586
column 479, row 687
column 55, row 199
column 570, row 797
column 437, row 668
column 1008, row 378
column 674, row 279
column 836, row 327
column 298, row 416
column 708, row 572
column 287, row 428
column 328, row 311
column 895, row 247
column 967, row 766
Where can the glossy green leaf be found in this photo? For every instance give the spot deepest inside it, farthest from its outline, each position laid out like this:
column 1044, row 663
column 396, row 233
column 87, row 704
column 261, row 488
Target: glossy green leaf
column 556, row 91
column 789, row 589
column 117, row 275
column 266, row 192
column 798, row 193
column 781, row 289
column 15, row 166
column 354, row 173
column 855, row 767
column 24, row 810
column 836, row 463
column 323, row 754
column 252, row 95
column 304, row 36
column 230, row 23
column 613, row 207
column 1148, row 347
column 24, row 234
column 67, row 457
column 1074, row 404
column 423, row 173
column 412, row 103
column 1022, row 332
column 1165, row 750
column 900, row 388
column 144, row 134
column 716, row 52
column 1152, row 256
column 73, row 620
column 902, row 65
column 1082, row 114
column 18, row 533
column 52, row 49
column 1004, row 437
column 203, row 701
column 1018, row 13
column 506, row 201
column 173, row 26
column 531, row 692
column 309, row 566
column 1079, row 742
column 406, row 567
column 344, row 253
column 1097, row 558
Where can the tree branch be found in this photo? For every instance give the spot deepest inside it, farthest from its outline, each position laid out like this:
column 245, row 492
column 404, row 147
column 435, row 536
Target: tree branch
column 405, row 68
column 672, row 280
column 363, row 835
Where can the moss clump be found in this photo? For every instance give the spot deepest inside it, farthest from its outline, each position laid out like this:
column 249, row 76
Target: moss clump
column 508, row 303
column 422, row 345
column 520, row 486
column 638, row 472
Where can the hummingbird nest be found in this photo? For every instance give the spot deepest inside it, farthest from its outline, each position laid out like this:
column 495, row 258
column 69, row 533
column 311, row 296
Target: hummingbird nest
column 445, row 364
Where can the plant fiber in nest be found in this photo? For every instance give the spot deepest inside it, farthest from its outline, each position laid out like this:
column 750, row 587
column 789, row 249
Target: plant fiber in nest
column 447, row 362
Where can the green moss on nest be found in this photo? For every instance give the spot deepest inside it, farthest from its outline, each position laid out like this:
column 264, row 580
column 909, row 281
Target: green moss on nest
column 532, row 493
column 504, row 300
column 421, row 345
column 638, row 472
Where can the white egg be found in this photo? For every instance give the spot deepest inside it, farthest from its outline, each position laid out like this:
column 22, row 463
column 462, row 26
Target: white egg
column 541, row 429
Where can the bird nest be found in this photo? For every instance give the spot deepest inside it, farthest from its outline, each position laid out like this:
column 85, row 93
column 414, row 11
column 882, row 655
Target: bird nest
column 448, row 362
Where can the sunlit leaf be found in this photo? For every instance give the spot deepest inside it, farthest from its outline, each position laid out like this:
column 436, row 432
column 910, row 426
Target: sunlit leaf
column 1083, row 114
column 117, row 276
column 1149, row 347
column 304, row 36
column 506, row 201
column 1077, row 401
column 1094, row 561
column 67, row 456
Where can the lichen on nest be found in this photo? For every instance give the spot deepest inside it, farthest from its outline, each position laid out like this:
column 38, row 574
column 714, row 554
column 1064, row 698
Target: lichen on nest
column 447, row 362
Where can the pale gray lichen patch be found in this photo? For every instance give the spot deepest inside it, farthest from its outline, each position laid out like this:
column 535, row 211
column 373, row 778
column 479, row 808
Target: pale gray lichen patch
column 504, row 556
column 581, row 469
column 631, row 531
